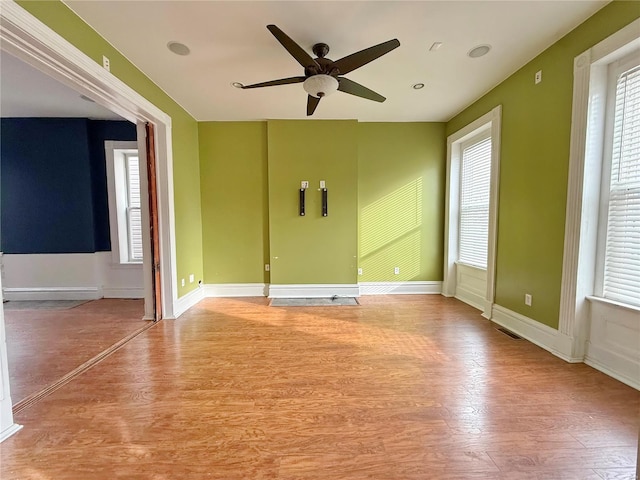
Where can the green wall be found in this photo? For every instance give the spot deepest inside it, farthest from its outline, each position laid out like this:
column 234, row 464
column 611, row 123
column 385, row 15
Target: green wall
column 186, row 174
column 401, row 179
column 235, row 203
column 313, row 248
column 536, row 126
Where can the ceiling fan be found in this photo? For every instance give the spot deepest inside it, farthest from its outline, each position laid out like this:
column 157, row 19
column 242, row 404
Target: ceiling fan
column 323, row 76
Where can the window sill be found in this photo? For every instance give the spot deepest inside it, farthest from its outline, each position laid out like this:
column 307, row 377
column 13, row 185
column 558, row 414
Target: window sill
column 468, row 265
column 625, row 306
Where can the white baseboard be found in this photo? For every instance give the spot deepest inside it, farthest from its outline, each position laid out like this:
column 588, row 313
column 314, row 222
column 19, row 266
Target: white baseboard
column 7, row 432
column 109, row 292
column 536, row 332
column 53, row 293
column 187, row 301
column 314, row 290
column 611, row 363
column 470, row 298
column 400, row 288
column 235, row 290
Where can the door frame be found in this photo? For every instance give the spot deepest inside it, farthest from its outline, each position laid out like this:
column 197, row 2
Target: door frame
column 30, row 40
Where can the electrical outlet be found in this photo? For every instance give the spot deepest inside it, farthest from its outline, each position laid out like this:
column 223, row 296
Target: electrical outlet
column 527, row 299
column 191, row 278
column 396, row 271
column 538, row 77
column 359, row 271
column 267, row 267
column 106, row 63
column 183, row 282
column 322, row 184
column 304, row 184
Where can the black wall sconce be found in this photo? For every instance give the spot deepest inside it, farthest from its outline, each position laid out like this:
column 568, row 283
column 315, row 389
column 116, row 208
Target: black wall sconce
column 302, row 190
column 324, row 202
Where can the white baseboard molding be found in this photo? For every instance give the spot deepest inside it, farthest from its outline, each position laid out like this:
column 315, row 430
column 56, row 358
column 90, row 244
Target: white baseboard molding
column 314, row 290
column 7, row 432
column 400, row 288
column 187, row 301
column 470, row 298
column 609, row 362
column 53, row 293
column 536, row 332
column 109, row 292
column 235, row 290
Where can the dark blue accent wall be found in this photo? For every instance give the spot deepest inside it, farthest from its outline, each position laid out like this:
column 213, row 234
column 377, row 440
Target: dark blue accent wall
column 53, row 184
column 99, row 131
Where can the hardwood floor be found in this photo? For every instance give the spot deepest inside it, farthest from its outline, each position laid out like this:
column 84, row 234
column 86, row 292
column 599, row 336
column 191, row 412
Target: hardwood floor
column 401, row 387
column 44, row 345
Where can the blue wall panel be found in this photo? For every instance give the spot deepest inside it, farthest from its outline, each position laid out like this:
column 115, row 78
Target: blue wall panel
column 53, row 184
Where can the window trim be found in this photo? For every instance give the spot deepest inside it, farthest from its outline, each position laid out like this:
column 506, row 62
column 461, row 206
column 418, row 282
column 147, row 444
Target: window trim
column 490, row 121
column 469, row 142
column 119, row 243
column 585, row 160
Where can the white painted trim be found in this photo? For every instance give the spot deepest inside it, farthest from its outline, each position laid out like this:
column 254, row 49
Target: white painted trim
column 53, row 293
column 583, row 190
column 235, row 290
column 27, row 38
column 470, row 298
column 313, row 290
column 7, row 432
column 614, row 365
column 491, row 120
column 108, row 292
column 400, row 288
column 536, row 332
column 189, row 300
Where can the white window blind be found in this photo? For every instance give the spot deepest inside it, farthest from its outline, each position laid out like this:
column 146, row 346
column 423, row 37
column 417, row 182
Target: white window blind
column 134, row 216
column 474, row 203
column 621, row 280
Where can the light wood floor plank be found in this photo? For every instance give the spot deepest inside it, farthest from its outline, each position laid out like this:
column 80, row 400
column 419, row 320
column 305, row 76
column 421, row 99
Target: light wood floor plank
column 404, row 387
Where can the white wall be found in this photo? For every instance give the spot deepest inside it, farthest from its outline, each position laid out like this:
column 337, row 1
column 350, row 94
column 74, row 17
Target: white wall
column 471, row 285
column 69, row 276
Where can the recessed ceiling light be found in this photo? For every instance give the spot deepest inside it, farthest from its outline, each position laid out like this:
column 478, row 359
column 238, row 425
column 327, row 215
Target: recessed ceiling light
column 418, row 86
column 479, row 51
column 237, row 84
column 435, row 46
column 178, row 48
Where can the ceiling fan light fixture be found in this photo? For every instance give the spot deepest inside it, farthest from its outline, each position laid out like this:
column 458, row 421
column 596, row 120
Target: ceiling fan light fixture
column 320, row 85
column 237, row 84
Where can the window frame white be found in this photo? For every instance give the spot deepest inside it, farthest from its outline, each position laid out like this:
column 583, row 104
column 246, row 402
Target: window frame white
column 464, row 145
column 115, row 155
column 492, row 121
column 614, row 70
column 583, row 191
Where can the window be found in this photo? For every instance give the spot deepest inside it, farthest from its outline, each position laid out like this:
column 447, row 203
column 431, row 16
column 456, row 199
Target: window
column 618, row 275
column 132, row 207
column 475, row 181
column 125, row 215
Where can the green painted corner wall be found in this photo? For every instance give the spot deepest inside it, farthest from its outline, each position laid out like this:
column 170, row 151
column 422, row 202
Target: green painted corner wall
column 313, row 249
column 186, row 174
column 534, row 160
column 235, row 204
column 401, row 180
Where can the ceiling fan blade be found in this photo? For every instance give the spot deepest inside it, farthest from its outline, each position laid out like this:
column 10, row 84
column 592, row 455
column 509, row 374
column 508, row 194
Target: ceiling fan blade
column 272, row 83
column 312, row 103
column 349, row 86
column 356, row 60
column 293, row 48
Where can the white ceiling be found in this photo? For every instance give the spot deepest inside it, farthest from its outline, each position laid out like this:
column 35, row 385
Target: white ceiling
column 229, row 42
column 27, row 92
